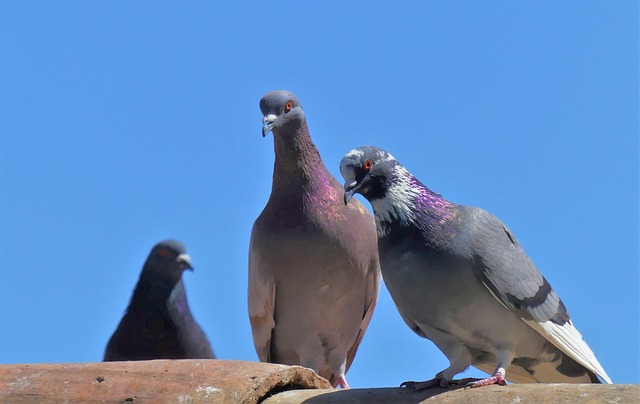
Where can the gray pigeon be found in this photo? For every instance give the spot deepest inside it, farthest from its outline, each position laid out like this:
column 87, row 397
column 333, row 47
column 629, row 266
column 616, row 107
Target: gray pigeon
column 314, row 273
column 459, row 277
column 158, row 323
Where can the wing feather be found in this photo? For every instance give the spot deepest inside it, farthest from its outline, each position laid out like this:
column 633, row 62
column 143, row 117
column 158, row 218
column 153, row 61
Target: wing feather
column 568, row 339
column 261, row 302
column 371, row 297
column 513, row 279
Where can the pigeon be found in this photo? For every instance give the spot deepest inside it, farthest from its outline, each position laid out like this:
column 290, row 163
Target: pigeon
column 158, row 323
column 459, row 277
column 314, row 273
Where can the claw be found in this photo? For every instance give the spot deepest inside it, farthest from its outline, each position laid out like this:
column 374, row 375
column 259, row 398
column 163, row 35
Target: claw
column 428, row 384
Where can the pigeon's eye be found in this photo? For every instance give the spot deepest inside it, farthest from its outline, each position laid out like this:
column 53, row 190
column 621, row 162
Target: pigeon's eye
column 163, row 253
column 368, row 164
column 288, row 106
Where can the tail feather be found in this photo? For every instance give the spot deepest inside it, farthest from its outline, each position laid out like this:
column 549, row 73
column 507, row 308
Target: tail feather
column 569, row 340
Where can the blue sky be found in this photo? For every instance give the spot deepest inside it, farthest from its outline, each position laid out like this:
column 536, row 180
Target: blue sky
column 124, row 123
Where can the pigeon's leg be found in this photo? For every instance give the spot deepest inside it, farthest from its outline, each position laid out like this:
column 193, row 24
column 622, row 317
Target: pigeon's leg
column 342, row 382
column 496, row 378
column 459, row 359
column 339, row 374
column 504, row 360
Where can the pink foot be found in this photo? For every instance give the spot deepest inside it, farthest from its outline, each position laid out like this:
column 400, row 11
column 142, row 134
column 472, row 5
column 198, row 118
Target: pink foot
column 497, row 378
column 342, row 382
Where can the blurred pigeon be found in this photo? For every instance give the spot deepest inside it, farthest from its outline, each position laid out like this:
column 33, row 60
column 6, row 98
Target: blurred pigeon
column 158, row 323
column 460, row 278
column 314, row 273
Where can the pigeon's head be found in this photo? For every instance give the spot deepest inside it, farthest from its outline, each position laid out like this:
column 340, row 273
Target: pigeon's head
column 367, row 170
column 168, row 260
column 281, row 109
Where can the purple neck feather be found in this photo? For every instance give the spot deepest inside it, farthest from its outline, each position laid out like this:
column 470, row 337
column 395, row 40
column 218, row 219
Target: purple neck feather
column 431, row 202
column 298, row 161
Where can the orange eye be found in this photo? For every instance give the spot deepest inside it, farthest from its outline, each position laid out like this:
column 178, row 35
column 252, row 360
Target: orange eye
column 163, row 253
column 368, row 164
column 288, row 106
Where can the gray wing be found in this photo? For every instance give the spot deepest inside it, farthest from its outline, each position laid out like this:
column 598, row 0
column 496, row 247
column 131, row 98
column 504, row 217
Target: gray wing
column 506, row 270
column 508, row 273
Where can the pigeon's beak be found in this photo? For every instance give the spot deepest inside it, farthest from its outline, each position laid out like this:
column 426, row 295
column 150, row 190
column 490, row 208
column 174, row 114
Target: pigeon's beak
column 185, row 261
column 267, row 123
column 350, row 187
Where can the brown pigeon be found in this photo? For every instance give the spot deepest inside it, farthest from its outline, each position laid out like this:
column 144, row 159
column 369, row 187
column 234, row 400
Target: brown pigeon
column 314, row 273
